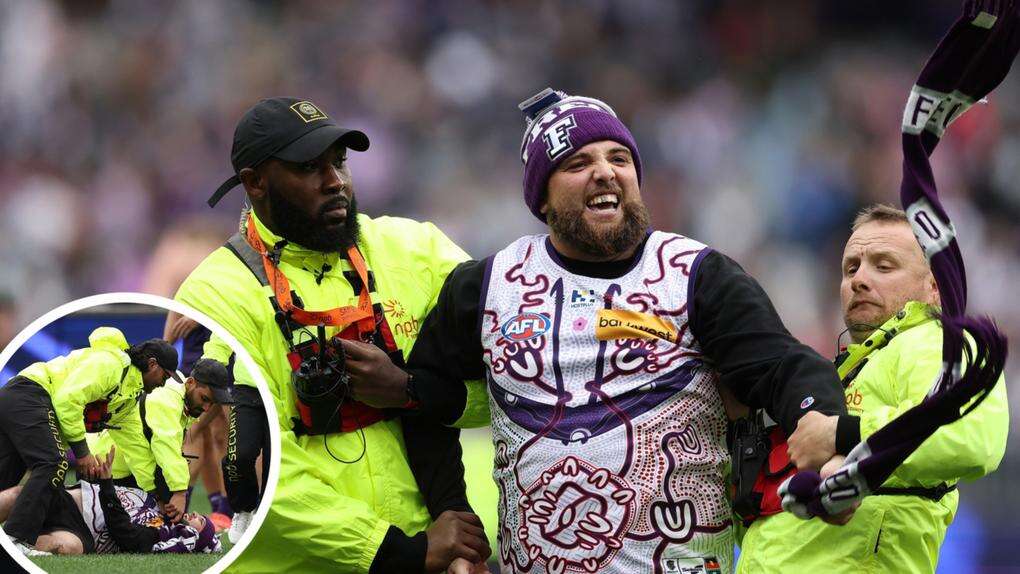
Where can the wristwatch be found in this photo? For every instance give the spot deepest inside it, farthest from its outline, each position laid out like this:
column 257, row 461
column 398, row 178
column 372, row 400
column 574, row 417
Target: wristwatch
column 412, row 393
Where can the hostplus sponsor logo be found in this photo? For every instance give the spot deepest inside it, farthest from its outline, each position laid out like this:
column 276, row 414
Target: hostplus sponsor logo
column 583, row 298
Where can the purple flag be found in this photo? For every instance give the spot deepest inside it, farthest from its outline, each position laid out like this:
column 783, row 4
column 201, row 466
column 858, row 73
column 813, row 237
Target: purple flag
column 970, row 61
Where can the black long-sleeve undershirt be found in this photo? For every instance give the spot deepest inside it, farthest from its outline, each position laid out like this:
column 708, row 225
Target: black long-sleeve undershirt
column 128, row 536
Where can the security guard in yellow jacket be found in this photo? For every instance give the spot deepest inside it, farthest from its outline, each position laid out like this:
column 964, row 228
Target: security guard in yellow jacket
column 50, row 402
column 889, row 302
column 304, row 272
column 157, row 463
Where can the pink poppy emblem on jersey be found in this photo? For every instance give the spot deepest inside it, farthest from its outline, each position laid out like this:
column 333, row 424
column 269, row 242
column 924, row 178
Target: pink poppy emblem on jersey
column 526, row 326
column 580, row 323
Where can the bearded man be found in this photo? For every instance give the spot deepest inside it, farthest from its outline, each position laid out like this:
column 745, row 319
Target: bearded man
column 305, row 271
column 604, row 347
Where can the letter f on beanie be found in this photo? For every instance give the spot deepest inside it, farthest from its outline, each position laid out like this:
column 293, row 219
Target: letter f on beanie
column 557, row 126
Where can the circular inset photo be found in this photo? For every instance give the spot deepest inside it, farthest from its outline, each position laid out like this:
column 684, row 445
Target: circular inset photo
column 115, row 440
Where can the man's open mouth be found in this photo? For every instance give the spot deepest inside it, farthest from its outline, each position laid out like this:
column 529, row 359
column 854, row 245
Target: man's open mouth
column 604, row 203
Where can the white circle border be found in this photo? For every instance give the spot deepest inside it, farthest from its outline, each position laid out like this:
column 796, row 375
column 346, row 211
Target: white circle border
column 242, row 354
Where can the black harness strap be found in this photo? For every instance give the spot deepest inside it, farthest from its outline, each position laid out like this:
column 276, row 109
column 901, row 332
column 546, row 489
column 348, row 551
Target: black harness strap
column 934, row 494
column 146, row 430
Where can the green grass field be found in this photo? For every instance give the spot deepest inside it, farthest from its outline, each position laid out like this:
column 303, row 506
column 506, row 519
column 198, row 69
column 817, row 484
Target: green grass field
column 139, row 563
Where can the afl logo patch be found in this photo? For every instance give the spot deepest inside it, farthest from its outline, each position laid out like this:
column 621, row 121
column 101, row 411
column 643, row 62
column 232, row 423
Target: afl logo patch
column 807, row 402
column 526, row 326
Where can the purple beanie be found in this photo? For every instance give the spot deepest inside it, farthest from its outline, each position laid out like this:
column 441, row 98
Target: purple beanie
column 558, row 126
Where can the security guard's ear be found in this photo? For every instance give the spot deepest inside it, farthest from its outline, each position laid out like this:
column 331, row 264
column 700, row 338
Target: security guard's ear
column 254, row 183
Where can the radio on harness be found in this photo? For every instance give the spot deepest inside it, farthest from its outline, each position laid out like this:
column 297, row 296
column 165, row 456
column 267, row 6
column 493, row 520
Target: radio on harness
column 320, row 381
column 96, row 413
column 318, row 365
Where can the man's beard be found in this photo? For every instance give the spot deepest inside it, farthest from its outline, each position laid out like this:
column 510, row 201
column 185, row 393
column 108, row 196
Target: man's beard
column 314, row 233
column 194, row 411
column 604, row 243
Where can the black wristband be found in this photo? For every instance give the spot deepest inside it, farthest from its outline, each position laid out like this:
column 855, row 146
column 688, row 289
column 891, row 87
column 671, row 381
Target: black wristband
column 848, row 433
column 400, row 553
column 80, row 449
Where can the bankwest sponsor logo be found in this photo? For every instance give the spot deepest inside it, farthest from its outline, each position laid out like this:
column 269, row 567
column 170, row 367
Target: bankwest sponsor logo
column 526, row 326
column 622, row 324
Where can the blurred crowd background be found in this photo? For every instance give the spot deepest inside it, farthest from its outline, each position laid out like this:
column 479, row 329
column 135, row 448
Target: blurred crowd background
column 763, row 126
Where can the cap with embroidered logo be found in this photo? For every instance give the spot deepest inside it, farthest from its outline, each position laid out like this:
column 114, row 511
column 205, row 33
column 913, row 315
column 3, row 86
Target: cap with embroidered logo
column 290, row 129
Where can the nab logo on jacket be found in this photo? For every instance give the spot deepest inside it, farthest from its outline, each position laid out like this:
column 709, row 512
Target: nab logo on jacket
column 526, row 326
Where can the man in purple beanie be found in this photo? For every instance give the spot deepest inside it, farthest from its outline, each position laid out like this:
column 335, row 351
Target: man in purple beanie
column 601, row 353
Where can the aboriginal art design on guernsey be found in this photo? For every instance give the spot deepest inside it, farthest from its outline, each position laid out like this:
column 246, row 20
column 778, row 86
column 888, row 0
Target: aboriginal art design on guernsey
column 610, row 450
column 137, row 503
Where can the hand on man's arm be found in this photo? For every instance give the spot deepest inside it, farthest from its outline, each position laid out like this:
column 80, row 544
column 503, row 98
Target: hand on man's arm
column 455, row 535
column 375, row 380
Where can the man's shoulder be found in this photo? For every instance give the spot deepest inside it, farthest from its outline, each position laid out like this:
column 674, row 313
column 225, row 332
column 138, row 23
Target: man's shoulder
column 394, row 228
column 171, row 394
column 522, row 246
column 401, row 243
column 221, row 271
column 106, row 360
column 658, row 237
column 918, row 340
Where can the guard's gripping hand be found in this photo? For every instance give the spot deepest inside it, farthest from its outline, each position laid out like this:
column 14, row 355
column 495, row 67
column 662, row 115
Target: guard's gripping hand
column 814, row 441
column 455, row 535
column 374, row 379
column 175, row 508
column 87, row 466
column 102, row 469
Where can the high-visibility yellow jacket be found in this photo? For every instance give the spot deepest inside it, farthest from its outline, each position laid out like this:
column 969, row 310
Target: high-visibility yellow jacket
column 890, row 533
column 329, row 515
column 102, row 371
column 167, row 421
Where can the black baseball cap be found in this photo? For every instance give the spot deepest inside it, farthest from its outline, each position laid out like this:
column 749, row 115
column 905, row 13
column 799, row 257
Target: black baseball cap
column 165, row 355
column 213, row 374
column 290, row 129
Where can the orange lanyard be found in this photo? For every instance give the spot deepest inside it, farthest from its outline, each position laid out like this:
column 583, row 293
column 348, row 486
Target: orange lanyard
column 339, row 317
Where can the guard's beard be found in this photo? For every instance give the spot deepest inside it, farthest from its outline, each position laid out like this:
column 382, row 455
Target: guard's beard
column 314, row 233
column 600, row 242
column 194, row 410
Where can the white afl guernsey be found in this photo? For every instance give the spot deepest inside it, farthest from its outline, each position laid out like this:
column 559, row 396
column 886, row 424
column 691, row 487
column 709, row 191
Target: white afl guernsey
column 136, row 502
column 608, row 427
